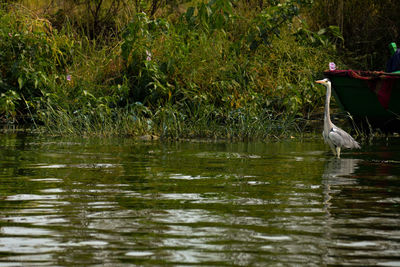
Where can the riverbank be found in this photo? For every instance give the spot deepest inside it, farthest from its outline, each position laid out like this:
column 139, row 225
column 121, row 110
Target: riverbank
column 211, row 70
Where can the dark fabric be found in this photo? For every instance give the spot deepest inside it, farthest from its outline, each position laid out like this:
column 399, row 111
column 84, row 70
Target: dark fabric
column 382, row 89
column 393, row 63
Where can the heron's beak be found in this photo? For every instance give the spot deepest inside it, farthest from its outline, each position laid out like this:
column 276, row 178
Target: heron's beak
column 320, row 81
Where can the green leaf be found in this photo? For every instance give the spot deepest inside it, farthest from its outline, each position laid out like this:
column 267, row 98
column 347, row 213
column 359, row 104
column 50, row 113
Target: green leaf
column 20, row 82
column 189, row 14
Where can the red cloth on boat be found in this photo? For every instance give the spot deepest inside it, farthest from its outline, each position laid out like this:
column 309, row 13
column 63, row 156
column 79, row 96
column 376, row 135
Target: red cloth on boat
column 382, row 89
column 381, row 83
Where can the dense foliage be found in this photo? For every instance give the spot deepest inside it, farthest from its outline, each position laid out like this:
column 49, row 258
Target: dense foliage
column 218, row 69
column 367, row 26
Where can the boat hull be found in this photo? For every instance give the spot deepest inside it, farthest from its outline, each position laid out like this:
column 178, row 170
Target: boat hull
column 371, row 98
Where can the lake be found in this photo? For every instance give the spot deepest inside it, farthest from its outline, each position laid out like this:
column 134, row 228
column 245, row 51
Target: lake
column 113, row 202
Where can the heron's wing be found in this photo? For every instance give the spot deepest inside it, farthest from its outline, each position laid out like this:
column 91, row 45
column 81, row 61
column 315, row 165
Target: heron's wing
column 342, row 139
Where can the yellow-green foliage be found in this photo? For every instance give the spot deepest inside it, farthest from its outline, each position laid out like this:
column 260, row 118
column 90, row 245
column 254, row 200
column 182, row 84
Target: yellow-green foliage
column 215, row 70
column 33, row 59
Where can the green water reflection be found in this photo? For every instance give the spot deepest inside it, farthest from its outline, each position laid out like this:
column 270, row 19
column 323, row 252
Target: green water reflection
column 88, row 202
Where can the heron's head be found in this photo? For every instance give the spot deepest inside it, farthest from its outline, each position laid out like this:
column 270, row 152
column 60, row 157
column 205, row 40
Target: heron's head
column 325, row 82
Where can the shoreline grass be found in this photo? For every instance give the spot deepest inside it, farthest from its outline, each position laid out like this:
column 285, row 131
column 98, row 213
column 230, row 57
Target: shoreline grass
column 215, row 70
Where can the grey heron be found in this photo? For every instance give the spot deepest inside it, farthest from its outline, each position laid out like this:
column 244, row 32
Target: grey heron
column 335, row 137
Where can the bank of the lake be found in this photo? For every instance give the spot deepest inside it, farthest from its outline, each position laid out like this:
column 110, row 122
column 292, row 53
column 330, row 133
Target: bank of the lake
column 220, row 69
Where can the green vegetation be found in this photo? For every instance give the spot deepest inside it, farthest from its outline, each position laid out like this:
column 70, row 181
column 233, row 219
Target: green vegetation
column 367, row 26
column 222, row 68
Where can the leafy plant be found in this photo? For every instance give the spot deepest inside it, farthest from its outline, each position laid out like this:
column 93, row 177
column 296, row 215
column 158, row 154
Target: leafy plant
column 367, row 27
column 31, row 53
column 329, row 36
column 217, row 69
column 8, row 100
column 216, row 14
column 269, row 21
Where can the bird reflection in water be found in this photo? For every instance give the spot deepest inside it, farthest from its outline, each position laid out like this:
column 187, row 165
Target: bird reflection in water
column 338, row 172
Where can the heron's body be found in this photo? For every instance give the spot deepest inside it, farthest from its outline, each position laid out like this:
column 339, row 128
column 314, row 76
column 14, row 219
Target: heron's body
column 335, row 137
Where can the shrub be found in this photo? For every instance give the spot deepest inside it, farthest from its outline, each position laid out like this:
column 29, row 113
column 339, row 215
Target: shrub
column 216, row 70
column 367, row 27
column 32, row 55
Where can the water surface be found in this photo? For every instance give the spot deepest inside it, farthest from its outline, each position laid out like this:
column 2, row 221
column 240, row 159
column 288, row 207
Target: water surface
column 96, row 202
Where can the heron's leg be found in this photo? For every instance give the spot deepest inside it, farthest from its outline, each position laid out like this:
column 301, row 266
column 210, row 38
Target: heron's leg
column 333, row 149
column 338, row 151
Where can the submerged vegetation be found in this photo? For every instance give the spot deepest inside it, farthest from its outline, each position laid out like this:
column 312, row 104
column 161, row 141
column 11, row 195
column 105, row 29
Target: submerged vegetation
column 230, row 69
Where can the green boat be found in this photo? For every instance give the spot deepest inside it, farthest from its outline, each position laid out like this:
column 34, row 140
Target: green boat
column 372, row 98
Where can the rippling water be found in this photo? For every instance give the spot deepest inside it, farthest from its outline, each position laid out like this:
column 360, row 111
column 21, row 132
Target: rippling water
column 93, row 202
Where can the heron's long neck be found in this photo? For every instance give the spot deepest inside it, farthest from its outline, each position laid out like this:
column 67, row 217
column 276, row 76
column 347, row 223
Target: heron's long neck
column 327, row 117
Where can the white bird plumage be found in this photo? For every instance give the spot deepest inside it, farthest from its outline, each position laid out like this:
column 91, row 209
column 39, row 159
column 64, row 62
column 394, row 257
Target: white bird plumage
column 335, row 137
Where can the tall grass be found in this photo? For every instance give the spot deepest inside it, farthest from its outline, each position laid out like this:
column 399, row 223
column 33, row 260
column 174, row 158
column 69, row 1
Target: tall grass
column 215, row 71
